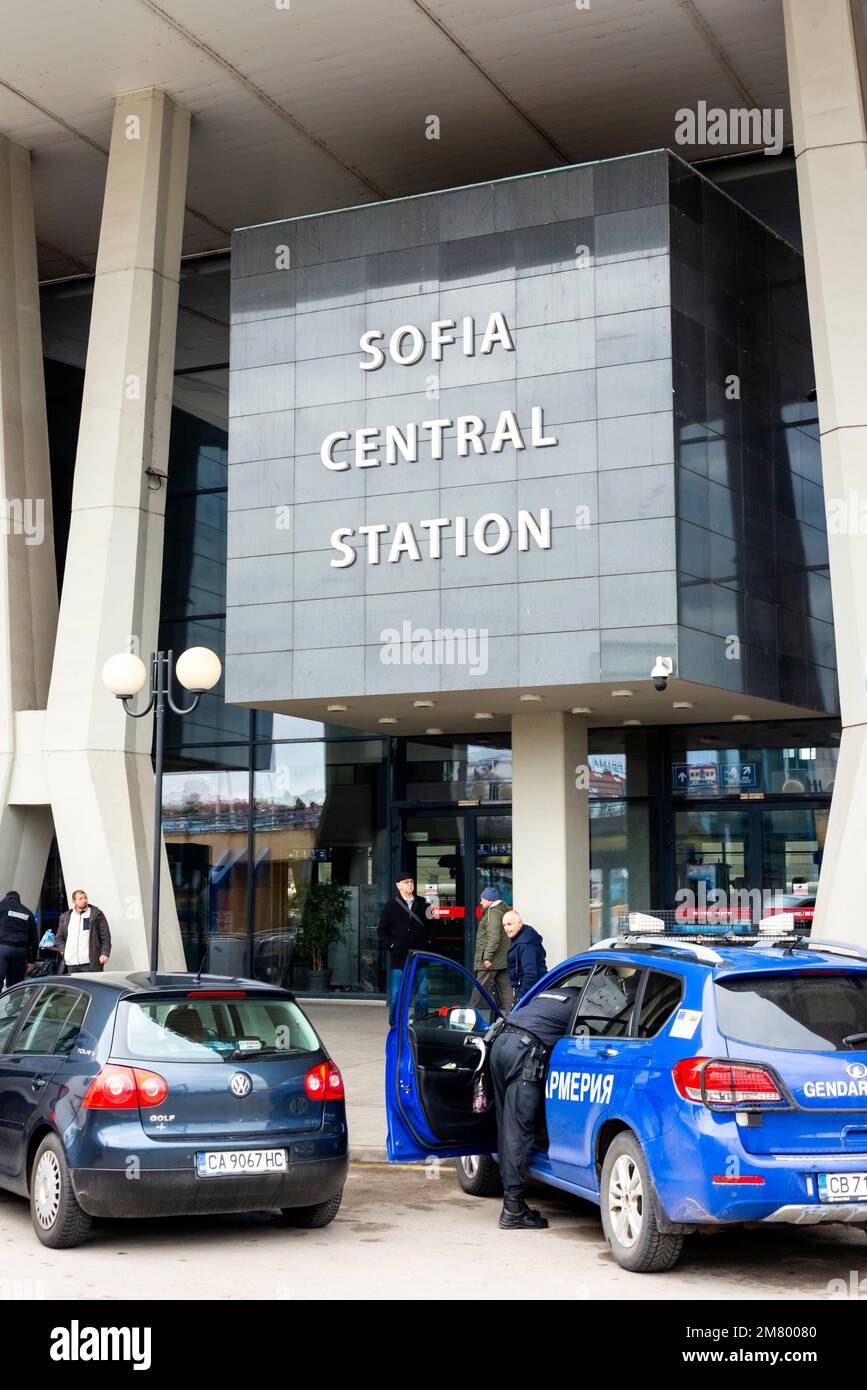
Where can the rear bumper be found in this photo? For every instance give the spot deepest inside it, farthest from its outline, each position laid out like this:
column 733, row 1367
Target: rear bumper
column 706, row 1176
column 808, row 1214
column 179, row 1192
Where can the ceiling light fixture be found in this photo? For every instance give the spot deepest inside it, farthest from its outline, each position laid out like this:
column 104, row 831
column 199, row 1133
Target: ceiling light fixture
column 621, row 694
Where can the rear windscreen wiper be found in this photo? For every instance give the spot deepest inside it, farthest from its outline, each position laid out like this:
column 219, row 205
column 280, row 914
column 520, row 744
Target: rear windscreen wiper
column 258, row 1052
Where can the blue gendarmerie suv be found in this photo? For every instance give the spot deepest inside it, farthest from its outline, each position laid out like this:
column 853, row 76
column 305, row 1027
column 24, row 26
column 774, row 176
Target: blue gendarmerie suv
column 126, row 1096
column 699, row 1085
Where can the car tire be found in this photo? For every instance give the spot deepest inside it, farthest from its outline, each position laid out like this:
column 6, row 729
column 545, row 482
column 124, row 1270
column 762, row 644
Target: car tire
column 628, row 1202
column 58, row 1220
column 312, row 1218
column 479, row 1175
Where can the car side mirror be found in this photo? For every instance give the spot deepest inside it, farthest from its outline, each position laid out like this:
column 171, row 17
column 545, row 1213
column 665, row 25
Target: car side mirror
column 463, row 1019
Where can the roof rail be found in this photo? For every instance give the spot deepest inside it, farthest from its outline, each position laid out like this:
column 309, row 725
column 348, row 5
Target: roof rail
column 653, row 943
column 837, row 948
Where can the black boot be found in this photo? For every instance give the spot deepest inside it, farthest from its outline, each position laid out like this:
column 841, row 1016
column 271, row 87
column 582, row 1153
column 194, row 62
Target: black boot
column 517, row 1216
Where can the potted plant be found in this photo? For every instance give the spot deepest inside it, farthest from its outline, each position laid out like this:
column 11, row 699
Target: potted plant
column 324, row 915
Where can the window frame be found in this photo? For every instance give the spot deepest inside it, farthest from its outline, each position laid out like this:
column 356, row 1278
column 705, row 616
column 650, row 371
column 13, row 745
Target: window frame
column 22, row 988
column 76, row 994
column 639, row 995
column 639, row 1000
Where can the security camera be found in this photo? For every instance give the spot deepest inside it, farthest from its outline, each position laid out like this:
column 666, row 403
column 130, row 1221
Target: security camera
column 662, row 669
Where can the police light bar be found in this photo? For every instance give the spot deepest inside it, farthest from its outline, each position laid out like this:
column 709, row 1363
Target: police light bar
column 645, row 924
column 778, row 924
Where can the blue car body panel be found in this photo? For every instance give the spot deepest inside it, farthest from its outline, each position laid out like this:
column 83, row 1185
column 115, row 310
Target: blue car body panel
column 708, row 1165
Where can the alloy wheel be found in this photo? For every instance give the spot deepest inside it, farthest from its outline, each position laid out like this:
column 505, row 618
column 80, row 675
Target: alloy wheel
column 47, row 1184
column 626, row 1201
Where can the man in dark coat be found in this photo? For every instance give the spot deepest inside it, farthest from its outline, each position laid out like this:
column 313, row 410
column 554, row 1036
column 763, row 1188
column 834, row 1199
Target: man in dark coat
column 405, row 925
column 83, row 940
column 19, row 939
column 526, row 958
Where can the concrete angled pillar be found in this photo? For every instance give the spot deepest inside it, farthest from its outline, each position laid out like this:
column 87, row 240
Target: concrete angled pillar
column 98, row 760
column 28, row 577
column 827, row 60
column 551, row 829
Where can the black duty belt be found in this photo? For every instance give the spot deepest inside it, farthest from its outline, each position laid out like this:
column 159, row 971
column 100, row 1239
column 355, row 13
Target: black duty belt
column 525, row 1035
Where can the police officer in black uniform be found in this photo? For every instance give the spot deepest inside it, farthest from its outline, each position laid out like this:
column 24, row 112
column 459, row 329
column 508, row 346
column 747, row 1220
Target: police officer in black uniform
column 519, row 1066
column 19, row 939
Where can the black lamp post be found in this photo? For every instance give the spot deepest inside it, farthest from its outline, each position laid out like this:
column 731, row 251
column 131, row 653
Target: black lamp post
column 198, row 670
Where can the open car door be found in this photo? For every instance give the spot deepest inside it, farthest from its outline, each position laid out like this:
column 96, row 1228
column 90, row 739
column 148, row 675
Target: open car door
column 433, row 1054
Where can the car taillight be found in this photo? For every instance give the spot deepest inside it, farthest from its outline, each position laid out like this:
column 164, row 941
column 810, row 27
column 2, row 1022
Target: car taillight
column 324, row 1082
column 730, row 1085
column 124, row 1088
column 152, row 1088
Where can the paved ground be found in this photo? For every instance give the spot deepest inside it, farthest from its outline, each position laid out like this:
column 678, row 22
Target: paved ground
column 404, row 1233
column 355, row 1036
column 400, row 1234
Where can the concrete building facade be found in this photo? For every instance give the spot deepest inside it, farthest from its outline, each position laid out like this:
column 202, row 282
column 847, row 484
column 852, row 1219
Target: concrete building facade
column 652, row 450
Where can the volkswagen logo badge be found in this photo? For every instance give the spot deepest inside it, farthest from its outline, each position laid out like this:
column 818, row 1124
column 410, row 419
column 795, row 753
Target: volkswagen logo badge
column 857, row 1070
column 240, row 1085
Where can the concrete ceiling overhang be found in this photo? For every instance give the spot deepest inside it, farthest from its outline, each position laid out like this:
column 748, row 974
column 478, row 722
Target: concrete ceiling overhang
column 300, row 106
column 455, row 711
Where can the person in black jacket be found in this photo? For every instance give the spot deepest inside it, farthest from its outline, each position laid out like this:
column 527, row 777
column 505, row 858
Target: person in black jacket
column 519, row 1066
column 526, row 957
column 405, row 925
column 19, row 939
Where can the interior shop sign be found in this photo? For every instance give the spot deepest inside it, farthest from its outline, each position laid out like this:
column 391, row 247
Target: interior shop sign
column 372, row 446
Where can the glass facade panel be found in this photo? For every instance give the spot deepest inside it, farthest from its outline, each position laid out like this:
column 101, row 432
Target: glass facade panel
column 444, row 769
column 319, row 817
column 712, row 849
column 619, row 762
column 621, row 879
column 794, row 840
column 205, row 825
column 434, row 847
column 801, row 760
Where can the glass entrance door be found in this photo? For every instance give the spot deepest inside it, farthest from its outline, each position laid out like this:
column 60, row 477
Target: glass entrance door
column 712, row 848
column 455, row 855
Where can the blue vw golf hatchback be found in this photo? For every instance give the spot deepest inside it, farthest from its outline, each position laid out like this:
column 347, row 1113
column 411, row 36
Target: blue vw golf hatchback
column 124, row 1096
column 699, row 1085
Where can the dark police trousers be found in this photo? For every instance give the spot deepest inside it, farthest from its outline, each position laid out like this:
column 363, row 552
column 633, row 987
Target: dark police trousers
column 517, row 1100
column 13, row 965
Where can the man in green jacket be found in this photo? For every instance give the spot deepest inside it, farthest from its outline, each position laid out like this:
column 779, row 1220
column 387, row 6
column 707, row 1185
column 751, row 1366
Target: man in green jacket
column 492, row 946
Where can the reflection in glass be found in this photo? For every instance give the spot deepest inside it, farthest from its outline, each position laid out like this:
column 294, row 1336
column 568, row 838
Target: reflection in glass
column 441, row 769
column 318, row 818
column 205, row 819
column 620, row 868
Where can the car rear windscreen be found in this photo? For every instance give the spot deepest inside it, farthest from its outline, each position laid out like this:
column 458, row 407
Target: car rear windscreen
column 200, row 1030
column 801, row 1011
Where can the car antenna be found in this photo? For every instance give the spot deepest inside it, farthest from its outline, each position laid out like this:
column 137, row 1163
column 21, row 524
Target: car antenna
column 204, row 962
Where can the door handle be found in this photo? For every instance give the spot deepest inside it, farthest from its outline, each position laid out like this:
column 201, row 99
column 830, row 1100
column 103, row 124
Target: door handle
column 39, row 1082
column 608, row 1052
